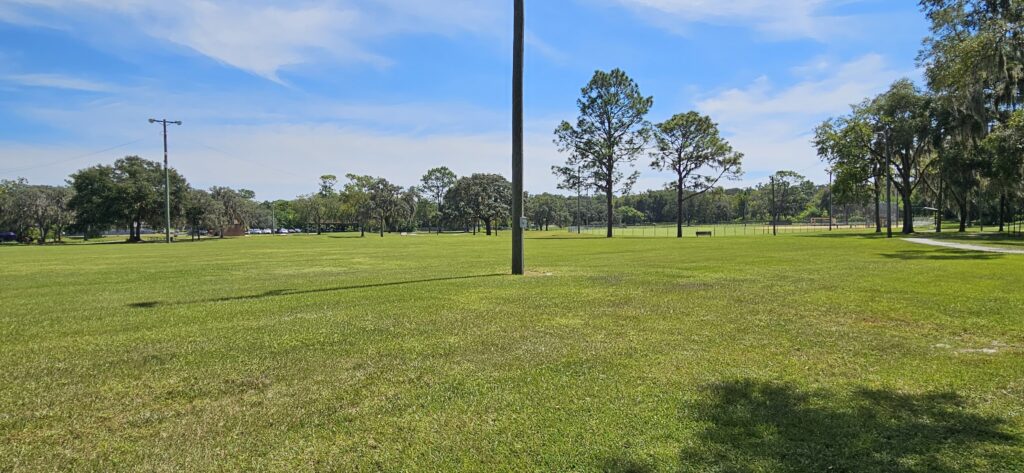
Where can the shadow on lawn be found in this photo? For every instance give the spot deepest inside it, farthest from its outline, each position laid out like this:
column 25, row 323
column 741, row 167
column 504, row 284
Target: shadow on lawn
column 846, row 234
column 1006, row 239
column 942, row 254
column 768, row 426
column 293, row 292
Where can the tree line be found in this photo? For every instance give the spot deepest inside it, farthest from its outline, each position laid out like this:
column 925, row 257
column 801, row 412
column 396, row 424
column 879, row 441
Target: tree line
column 128, row 195
column 956, row 146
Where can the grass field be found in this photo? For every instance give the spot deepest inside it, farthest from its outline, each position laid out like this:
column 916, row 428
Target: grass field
column 804, row 352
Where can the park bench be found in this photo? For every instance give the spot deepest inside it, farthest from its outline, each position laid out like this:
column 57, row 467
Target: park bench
column 707, row 234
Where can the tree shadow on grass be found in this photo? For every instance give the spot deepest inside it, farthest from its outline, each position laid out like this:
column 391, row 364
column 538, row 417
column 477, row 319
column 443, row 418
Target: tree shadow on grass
column 767, row 426
column 942, row 254
column 1005, row 239
column 294, row 292
column 847, row 234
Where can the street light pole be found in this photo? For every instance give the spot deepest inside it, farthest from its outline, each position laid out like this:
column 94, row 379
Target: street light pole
column 830, row 199
column 167, row 178
column 518, row 47
column 888, row 190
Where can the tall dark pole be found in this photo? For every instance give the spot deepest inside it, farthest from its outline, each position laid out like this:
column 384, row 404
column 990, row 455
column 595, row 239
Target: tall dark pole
column 579, row 198
column 167, row 178
column 518, row 47
column 888, row 190
column 830, row 200
column 775, row 228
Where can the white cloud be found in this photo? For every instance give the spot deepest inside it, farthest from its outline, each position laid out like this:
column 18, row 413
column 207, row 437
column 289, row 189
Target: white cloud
column 775, row 18
column 282, row 161
column 56, row 81
column 266, row 36
column 773, row 126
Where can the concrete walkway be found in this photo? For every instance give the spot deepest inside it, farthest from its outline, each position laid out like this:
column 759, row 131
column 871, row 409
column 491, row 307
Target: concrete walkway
column 964, row 246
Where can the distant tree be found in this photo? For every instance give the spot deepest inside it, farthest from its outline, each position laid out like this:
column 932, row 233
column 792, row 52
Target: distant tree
column 435, row 184
column 846, row 145
column 37, row 202
column 64, row 214
column 788, row 194
column 480, row 197
column 10, row 218
column 974, row 55
column 130, row 192
column 629, row 216
column 16, row 217
column 236, row 208
column 202, row 211
column 545, row 209
column 1005, row 148
column 405, row 214
column 901, row 122
column 327, row 185
column 385, row 200
column 610, row 133
column 690, row 147
column 96, row 202
column 573, row 178
column 357, row 200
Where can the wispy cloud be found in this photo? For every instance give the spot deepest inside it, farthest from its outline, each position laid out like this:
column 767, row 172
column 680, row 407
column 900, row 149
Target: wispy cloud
column 265, row 36
column 284, row 160
column 773, row 125
column 55, row 81
column 782, row 19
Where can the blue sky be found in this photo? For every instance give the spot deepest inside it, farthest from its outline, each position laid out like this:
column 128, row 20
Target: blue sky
column 275, row 93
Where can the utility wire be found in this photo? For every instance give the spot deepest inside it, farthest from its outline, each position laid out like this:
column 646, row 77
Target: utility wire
column 232, row 156
column 68, row 160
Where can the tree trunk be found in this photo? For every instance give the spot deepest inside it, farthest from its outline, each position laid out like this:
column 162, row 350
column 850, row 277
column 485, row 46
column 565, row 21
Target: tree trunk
column 487, row 222
column 382, row 225
column 878, row 205
column 963, row 216
column 1002, row 211
column 908, row 211
column 679, row 207
column 610, row 212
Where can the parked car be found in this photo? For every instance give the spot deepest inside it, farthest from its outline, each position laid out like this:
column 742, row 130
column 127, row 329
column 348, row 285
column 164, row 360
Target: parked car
column 8, row 236
column 282, row 231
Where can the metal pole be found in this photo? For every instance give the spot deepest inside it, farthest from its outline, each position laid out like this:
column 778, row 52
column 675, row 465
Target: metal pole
column 830, row 200
column 579, row 197
column 167, row 178
column 167, row 189
column 775, row 229
column 888, row 191
column 518, row 48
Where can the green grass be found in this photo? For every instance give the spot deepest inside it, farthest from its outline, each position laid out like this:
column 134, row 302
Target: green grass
column 841, row 352
column 719, row 230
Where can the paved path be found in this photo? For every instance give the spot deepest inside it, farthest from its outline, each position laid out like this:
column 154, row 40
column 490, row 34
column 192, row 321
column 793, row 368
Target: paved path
column 964, row 246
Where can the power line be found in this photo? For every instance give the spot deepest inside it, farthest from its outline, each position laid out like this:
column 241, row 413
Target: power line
column 237, row 158
column 68, row 160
